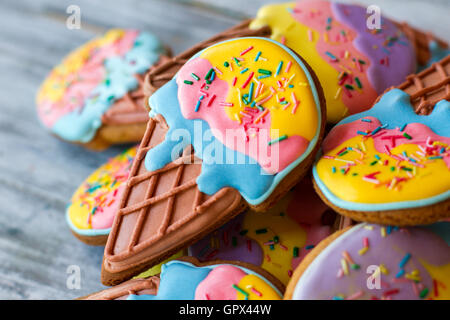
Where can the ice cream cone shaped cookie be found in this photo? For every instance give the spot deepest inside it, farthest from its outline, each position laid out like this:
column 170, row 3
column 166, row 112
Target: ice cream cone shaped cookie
column 189, row 176
column 95, row 97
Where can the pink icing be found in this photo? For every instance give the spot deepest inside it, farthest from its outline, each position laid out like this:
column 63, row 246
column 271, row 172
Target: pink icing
column 104, row 216
column 229, row 131
column 418, row 132
column 84, row 80
column 218, row 285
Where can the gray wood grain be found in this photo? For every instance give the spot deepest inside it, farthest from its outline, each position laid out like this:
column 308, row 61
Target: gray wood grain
column 39, row 173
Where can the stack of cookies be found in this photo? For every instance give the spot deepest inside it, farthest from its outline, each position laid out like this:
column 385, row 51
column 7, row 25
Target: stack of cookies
column 283, row 158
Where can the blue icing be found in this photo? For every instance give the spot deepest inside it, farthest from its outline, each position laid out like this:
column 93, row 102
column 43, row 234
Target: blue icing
column 442, row 229
column 394, row 110
column 437, row 53
column 215, row 174
column 244, row 175
column 82, row 126
column 180, row 279
column 178, row 282
column 397, row 102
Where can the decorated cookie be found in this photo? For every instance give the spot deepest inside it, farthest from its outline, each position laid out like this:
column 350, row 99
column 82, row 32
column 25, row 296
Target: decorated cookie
column 278, row 239
column 94, row 204
column 389, row 164
column 354, row 64
column 191, row 280
column 372, row 262
column 94, row 97
column 253, row 113
column 252, row 100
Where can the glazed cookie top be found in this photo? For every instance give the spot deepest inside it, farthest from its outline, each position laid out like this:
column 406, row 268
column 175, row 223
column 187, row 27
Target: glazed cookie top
column 184, row 281
column 375, row 262
column 94, row 204
column 354, row 64
column 77, row 92
column 250, row 108
column 388, row 157
column 276, row 240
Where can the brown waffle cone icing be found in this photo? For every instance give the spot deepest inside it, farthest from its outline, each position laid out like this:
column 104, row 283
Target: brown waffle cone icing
column 161, row 204
column 150, row 285
column 429, row 86
column 421, row 41
column 122, row 291
column 425, row 88
column 129, row 108
column 164, row 211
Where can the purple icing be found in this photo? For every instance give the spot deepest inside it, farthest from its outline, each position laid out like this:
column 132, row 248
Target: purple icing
column 226, row 250
column 320, row 280
column 400, row 53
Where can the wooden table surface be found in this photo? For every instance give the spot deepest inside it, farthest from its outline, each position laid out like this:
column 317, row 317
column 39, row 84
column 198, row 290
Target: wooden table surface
column 39, row 173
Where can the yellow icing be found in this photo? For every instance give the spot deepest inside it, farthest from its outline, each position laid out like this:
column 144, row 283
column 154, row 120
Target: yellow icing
column 304, row 121
column 54, row 86
column 251, row 281
column 283, row 24
column 157, row 268
column 277, row 261
column 83, row 203
column 442, row 275
column 423, row 183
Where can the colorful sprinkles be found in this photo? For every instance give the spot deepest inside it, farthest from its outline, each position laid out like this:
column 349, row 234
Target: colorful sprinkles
column 256, row 97
column 427, row 151
column 407, row 272
column 101, row 189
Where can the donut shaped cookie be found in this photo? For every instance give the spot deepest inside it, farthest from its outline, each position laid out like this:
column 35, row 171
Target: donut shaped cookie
column 372, row 262
column 93, row 206
column 388, row 164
